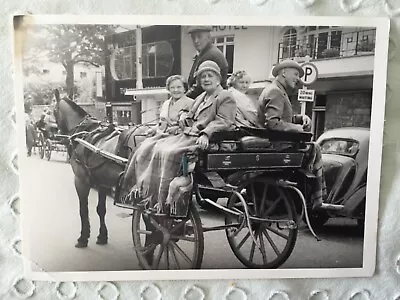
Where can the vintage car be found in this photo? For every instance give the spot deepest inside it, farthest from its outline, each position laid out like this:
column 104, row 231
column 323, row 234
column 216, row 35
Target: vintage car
column 345, row 163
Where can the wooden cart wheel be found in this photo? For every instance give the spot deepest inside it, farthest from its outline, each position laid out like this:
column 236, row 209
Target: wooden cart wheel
column 47, row 149
column 265, row 199
column 173, row 243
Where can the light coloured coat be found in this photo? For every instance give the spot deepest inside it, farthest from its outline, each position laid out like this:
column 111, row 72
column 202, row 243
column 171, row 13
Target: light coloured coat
column 216, row 114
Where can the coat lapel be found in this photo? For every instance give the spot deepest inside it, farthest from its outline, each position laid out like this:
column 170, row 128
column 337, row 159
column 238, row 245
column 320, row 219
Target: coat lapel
column 210, row 101
column 282, row 88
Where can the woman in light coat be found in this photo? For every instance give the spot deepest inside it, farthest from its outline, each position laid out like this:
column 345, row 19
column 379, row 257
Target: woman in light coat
column 171, row 109
column 246, row 113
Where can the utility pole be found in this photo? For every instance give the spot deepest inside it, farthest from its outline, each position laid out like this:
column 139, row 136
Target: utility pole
column 139, row 81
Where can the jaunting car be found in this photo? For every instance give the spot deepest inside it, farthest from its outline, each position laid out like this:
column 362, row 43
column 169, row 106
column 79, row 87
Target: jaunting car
column 345, row 164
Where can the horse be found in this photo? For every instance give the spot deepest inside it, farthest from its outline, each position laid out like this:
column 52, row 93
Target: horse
column 91, row 170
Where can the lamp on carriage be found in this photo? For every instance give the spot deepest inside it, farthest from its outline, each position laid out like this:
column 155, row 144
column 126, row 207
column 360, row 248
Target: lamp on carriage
column 109, row 115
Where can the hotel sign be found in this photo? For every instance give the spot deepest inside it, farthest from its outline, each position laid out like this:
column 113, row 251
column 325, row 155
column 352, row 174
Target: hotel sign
column 230, row 27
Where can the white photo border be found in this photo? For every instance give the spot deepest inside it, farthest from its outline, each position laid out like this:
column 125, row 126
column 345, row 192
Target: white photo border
column 374, row 159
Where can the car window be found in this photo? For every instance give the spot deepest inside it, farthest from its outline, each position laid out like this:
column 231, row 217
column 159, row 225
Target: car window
column 340, row 147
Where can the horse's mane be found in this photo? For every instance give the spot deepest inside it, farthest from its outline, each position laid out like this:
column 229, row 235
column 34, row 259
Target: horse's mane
column 76, row 107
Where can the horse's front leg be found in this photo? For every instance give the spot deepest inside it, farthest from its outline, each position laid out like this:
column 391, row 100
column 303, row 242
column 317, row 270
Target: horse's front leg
column 83, row 189
column 102, row 238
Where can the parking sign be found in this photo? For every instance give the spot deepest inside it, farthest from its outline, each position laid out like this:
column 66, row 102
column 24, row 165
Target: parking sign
column 310, row 73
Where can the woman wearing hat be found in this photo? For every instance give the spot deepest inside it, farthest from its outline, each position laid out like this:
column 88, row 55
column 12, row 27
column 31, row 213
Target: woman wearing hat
column 155, row 171
column 173, row 107
column 246, row 113
column 158, row 161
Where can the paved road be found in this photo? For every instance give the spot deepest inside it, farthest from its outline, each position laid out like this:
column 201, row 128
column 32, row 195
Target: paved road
column 54, row 226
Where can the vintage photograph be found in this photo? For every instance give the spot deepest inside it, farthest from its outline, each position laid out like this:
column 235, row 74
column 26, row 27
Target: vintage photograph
column 165, row 144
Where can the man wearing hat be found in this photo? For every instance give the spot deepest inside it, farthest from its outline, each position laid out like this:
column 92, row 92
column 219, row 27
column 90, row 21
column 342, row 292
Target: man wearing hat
column 275, row 112
column 206, row 50
column 275, row 109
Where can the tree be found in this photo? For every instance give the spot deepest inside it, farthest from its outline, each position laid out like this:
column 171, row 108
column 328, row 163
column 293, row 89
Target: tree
column 69, row 45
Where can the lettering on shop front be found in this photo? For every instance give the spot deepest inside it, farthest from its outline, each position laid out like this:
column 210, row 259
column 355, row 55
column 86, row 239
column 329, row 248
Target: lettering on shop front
column 222, row 28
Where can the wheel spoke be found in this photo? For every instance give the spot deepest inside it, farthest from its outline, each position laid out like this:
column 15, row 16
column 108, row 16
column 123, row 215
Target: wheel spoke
column 263, row 200
column 158, row 258
column 273, row 206
column 184, row 238
column 253, row 196
column 272, row 243
column 243, row 240
column 166, row 252
column 181, row 252
column 156, row 224
column 253, row 247
column 147, row 248
column 277, row 232
column 146, row 232
column 179, row 225
column 175, row 258
column 262, row 248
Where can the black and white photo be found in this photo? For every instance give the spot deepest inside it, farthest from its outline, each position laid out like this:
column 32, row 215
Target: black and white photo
column 189, row 147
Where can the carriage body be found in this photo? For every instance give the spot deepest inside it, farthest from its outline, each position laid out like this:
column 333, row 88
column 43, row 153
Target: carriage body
column 237, row 156
column 234, row 156
column 258, row 172
column 54, row 142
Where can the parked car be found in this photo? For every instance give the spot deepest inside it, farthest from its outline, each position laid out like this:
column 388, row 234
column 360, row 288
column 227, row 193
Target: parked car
column 345, row 163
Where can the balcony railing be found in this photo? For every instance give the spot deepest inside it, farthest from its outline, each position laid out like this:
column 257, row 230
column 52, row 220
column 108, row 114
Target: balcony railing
column 328, row 44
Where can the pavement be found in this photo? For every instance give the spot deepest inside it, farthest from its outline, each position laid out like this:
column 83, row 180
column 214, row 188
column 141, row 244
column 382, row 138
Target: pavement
column 54, row 226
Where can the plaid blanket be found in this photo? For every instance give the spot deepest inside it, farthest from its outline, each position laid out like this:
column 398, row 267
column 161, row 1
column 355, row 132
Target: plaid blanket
column 315, row 166
column 155, row 164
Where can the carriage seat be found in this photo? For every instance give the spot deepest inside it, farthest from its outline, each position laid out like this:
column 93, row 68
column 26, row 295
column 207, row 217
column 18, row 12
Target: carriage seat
column 249, row 143
column 263, row 133
column 277, row 135
column 260, row 139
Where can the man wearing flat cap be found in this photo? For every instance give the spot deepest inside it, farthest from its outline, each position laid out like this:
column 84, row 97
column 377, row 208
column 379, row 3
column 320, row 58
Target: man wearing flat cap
column 275, row 109
column 206, row 50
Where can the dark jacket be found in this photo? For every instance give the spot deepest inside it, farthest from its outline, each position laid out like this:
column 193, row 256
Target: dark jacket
column 275, row 110
column 210, row 52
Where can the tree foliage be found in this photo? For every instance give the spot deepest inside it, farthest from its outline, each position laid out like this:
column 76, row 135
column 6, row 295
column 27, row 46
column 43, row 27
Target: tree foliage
column 67, row 44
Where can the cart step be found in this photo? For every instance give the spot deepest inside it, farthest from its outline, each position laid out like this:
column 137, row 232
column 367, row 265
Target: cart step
column 327, row 206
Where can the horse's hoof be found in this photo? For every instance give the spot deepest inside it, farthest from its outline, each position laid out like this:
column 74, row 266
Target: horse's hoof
column 81, row 245
column 101, row 242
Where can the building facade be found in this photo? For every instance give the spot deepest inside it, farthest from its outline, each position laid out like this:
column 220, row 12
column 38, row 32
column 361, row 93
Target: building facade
column 343, row 56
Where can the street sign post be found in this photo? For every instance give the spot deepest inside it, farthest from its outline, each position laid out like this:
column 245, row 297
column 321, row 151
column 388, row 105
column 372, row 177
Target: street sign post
column 309, row 77
column 305, row 95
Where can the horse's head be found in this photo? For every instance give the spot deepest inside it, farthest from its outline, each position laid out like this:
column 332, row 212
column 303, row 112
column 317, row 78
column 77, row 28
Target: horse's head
column 67, row 113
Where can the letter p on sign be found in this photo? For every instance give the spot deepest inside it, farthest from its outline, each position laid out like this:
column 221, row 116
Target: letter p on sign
column 310, row 73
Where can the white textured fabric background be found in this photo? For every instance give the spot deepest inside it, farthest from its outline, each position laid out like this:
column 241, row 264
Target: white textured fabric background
column 385, row 284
